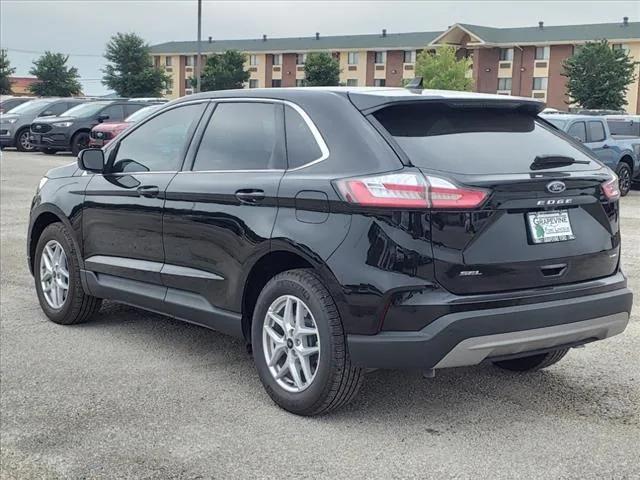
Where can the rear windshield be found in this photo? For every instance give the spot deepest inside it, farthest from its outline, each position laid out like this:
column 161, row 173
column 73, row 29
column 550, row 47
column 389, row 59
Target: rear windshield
column 31, row 107
column 624, row 127
column 476, row 140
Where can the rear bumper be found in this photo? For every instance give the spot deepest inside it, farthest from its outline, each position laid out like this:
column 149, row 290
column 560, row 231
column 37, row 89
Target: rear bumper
column 468, row 338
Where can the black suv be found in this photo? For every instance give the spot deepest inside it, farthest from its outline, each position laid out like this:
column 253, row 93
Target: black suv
column 70, row 131
column 338, row 230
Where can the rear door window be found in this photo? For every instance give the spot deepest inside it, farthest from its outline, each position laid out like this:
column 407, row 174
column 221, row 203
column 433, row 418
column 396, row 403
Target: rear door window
column 302, row 147
column 132, row 108
column 578, row 130
column 475, row 140
column 596, row 131
column 114, row 113
column 624, row 127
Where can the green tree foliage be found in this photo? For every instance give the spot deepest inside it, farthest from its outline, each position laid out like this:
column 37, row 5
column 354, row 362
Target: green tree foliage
column 5, row 72
column 598, row 76
column 442, row 70
column 55, row 79
column 224, row 72
column 321, row 70
column 130, row 71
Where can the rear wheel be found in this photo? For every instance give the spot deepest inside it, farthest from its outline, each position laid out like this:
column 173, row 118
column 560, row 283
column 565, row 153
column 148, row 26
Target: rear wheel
column 57, row 278
column 79, row 142
column 299, row 345
column 534, row 362
column 23, row 144
column 624, row 175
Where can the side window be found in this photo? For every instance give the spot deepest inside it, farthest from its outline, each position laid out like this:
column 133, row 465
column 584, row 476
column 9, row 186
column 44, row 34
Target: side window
column 579, row 131
column 113, row 112
column 58, row 108
column 302, row 147
column 596, row 132
column 242, row 136
column 159, row 144
column 129, row 109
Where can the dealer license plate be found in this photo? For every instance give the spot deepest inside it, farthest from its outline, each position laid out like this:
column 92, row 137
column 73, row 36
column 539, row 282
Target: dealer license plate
column 548, row 227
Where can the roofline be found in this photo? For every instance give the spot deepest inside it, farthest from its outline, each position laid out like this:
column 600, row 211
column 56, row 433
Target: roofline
column 464, row 29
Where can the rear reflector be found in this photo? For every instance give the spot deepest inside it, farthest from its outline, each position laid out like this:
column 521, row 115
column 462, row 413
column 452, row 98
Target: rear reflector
column 409, row 190
column 611, row 188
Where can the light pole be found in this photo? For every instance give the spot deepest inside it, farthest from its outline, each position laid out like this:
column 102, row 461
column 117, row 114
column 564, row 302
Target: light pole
column 198, row 58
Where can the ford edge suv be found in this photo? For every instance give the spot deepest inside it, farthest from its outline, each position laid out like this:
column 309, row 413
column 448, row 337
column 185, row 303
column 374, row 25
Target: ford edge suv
column 339, row 230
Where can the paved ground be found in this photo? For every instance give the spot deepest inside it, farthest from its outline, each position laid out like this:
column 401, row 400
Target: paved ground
column 137, row 395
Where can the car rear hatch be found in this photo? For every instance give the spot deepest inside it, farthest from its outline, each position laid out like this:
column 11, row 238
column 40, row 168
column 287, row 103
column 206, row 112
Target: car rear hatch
column 535, row 209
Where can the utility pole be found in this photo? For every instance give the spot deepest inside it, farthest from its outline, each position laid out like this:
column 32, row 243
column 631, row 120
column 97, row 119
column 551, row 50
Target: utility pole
column 198, row 59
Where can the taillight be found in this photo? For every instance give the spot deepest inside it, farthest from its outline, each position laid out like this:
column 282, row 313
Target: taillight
column 409, row 190
column 611, row 188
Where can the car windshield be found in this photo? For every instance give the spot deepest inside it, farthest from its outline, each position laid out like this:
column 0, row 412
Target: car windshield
column 141, row 114
column 557, row 122
column 85, row 109
column 30, row 107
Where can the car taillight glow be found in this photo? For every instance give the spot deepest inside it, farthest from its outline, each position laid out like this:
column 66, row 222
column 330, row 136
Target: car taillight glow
column 410, row 190
column 611, row 188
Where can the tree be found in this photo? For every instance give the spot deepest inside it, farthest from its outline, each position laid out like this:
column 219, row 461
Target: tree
column 598, row 76
column 442, row 70
column 55, row 79
column 224, row 72
column 131, row 72
column 5, row 72
column 321, row 69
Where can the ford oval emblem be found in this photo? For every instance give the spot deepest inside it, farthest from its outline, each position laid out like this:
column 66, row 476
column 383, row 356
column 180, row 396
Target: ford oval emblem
column 556, row 187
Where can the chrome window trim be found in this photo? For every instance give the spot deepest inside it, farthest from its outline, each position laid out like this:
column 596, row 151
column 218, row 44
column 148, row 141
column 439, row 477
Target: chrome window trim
column 312, row 127
column 276, row 170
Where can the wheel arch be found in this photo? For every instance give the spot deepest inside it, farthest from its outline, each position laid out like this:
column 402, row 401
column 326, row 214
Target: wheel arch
column 628, row 159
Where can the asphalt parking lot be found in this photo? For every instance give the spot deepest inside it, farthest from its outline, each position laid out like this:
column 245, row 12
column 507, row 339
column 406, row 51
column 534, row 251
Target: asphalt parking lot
column 137, row 395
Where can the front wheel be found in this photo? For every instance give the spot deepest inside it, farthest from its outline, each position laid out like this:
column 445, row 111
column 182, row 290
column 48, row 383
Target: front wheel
column 79, row 142
column 299, row 345
column 23, row 144
column 624, row 175
column 533, row 362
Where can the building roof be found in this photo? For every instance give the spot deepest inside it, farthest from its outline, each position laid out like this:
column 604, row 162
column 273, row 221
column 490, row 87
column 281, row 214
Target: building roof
column 412, row 40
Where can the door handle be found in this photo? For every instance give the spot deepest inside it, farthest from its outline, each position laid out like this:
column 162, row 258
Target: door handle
column 250, row 195
column 148, row 191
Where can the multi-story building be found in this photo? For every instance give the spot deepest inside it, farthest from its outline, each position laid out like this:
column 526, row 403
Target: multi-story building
column 523, row 61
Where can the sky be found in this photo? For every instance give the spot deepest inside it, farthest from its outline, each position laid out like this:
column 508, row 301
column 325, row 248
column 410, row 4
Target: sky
column 81, row 28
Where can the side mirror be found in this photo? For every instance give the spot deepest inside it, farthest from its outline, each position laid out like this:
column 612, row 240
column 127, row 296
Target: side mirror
column 91, row 160
column 102, row 117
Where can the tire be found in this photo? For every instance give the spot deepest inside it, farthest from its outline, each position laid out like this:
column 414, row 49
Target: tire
column 79, row 142
column 534, row 362
column 624, row 175
column 334, row 382
column 22, row 141
column 76, row 306
column 49, row 151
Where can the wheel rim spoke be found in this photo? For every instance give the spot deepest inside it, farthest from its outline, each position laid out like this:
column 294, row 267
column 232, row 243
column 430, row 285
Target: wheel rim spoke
column 291, row 343
column 54, row 274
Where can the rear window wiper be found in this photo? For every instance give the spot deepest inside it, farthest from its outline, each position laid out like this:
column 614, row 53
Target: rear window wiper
column 542, row 162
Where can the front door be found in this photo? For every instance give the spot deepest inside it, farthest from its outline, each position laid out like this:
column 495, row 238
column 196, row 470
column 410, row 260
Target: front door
column 122, row 214
column 220, row 211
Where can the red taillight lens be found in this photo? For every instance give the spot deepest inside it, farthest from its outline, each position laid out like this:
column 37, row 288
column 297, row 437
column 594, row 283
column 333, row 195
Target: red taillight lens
column 611, row 188
column 410, row 190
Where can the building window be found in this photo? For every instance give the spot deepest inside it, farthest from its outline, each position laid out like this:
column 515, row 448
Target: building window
column 187, row 83
column 352, row 82
column 301, row 58
column 277, row 59
column 504, row 84
column 352, row 58
column 188, row 61
column 621, row 46
column 381, row 57
column 253, row 60
column 542, row 53
column 169, row 84
column 379, row 82
column 167, row 61
column 409, row 56
column 506, row 54
column 539, row 83
column 253, row 83
column 300, row 82
column 276, row 83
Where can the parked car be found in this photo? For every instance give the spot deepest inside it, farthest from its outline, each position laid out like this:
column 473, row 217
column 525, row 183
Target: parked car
column 620, row 154
column 14, row 126
column 104, row 132
column 7, row 102
column 338, row 229
column 70, row 131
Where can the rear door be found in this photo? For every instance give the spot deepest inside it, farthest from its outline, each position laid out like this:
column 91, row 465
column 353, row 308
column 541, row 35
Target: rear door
column 220, row 211
column 497, row 245
column 597, row 143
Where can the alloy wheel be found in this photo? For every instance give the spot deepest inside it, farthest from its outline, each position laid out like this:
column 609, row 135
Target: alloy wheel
column 291, row 343
column 54, row 274
column 624, row 180
column 24, row 141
